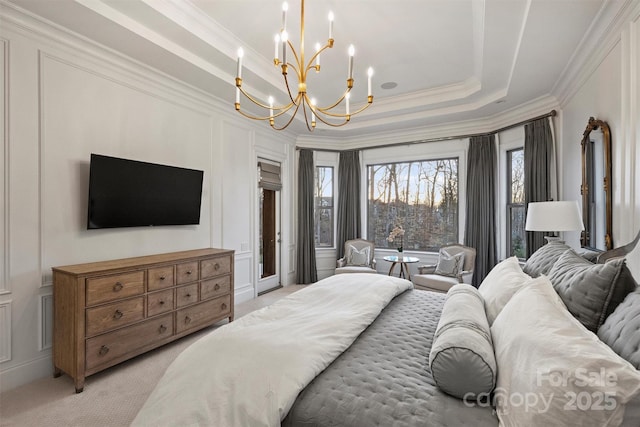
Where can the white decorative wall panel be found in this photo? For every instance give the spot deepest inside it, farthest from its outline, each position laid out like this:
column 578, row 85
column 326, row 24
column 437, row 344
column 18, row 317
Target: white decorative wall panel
column 84, row 111
column 239, row 186
column 244, row 289
column 5, row 286
column 5, row 331
column 46, row 322
column 325, row 263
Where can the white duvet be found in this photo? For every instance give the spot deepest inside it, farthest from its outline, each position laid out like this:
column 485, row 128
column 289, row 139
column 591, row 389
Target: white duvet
column 249, row 372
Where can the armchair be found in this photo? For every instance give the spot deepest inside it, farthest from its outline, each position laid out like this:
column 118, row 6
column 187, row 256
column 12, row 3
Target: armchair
column 358, row 257
column 448, row 271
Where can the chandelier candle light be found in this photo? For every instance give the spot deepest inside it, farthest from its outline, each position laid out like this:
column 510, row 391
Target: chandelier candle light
column 328, row 115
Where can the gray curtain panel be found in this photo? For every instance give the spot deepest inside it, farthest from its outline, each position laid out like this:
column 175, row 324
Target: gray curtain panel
column 349, row 224
column 538, row 170
column 480, row 229
column 306, row 271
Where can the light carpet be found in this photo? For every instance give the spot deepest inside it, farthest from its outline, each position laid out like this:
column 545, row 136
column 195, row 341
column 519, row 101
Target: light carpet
column 112, row 397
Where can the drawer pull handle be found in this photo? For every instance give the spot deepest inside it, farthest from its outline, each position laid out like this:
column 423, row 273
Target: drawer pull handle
column 223, row 306
column 103, row 350
column 188, row 295
column 187, row 320
column 162, row 277
column 161, row 302
column 188, row 272
column 216, row 266
column 162, row 329
column 117, row 287
column 118, row 314
column 216, row 287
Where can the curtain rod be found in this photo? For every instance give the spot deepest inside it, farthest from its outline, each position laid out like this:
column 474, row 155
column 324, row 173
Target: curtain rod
column 552, row 113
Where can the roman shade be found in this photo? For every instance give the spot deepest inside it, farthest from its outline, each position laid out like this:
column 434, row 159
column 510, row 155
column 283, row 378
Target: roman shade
column 269, row 176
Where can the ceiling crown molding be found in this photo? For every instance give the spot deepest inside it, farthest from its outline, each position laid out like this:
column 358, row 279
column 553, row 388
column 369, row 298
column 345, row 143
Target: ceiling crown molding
column 601, row 37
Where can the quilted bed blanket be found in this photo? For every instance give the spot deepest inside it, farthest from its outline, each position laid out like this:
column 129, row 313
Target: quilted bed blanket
column 249, row 372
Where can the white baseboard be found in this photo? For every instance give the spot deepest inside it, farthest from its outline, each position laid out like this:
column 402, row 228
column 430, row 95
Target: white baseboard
column 25, row 373
column 243, row 294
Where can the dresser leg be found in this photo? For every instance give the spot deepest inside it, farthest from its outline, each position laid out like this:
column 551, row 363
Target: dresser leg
column 79, row 385
column 56, row 372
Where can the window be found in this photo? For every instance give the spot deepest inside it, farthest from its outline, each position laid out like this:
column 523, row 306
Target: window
column 420, row 196
column 516, row 242
column 323, row 212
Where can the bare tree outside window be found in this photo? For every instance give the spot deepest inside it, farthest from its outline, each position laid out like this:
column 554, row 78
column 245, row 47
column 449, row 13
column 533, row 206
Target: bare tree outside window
column 420, row 196
column 323, row 212
column 516, row 238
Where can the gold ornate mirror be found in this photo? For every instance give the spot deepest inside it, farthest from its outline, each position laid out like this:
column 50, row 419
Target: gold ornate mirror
column 596, row 186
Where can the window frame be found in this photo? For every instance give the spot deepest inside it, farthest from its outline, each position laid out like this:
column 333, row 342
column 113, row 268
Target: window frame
column 509, row 205
column 332, row 207
column 458, row 156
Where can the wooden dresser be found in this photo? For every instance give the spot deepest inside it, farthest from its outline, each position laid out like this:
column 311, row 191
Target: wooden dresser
column 108, row 312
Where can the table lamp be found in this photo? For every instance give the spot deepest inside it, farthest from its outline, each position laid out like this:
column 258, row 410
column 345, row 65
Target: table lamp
column 553, row 217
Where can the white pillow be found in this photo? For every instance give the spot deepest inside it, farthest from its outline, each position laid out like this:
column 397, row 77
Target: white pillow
column 450, row 265
column 502, row 282
column 552, row 371
column 358, row 257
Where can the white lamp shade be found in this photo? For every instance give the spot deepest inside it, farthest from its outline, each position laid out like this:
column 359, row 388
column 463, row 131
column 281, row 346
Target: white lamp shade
column 554, row 216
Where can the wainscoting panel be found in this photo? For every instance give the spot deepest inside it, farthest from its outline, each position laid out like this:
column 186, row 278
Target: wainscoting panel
column 5, row 286
column 5, row 331
column 46, row 322
column 112, row 116
column 325, row 263
column 239, row 189
column 292, row 259
column 243, row 272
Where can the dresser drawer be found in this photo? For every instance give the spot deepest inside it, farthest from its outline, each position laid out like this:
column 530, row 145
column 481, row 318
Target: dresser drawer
column 160, row 277
column 111, row 316
column 159, row 302
column 215, row 287
column 202, row 314
column 215, row 266
column 186, row 272
column 104, row 348
column 110, row 288
column 186, row 295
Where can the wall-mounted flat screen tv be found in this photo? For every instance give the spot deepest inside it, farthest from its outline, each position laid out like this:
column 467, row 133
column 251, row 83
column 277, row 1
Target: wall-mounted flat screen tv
column 130, row 193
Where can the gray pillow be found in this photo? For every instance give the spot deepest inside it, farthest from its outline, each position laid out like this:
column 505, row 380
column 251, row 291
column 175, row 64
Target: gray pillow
column 450, row 265
column 541, row 261
column 590, row 291
column 621, row 330
column 462, row 361
column 358, row 257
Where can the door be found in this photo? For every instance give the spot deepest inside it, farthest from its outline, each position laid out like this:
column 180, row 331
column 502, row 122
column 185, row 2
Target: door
column 269, row 238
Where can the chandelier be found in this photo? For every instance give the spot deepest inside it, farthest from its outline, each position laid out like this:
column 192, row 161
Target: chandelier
column 333, row 114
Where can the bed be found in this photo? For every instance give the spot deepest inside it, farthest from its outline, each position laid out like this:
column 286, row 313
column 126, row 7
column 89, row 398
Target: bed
column 367, row 358
column 383, row 378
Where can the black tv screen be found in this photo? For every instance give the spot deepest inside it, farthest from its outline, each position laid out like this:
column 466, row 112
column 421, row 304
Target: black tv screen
column 130, row 193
